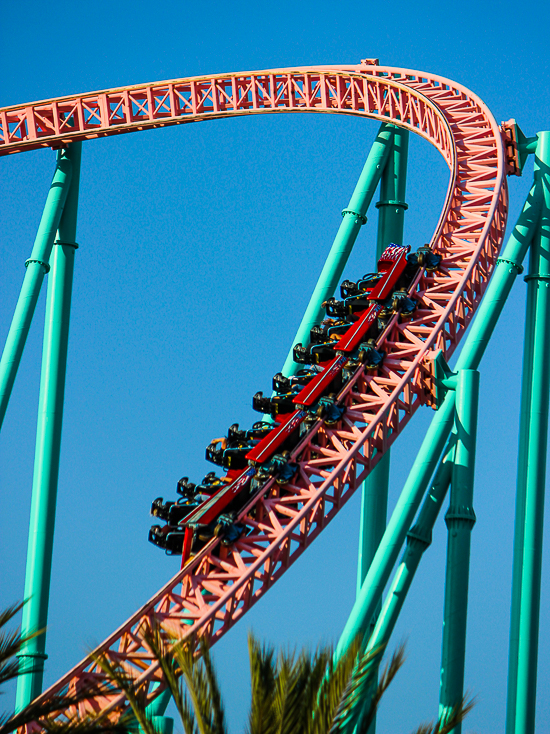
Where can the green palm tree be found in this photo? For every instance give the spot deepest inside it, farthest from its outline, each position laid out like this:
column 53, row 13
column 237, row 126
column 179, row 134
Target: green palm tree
column 291, row 693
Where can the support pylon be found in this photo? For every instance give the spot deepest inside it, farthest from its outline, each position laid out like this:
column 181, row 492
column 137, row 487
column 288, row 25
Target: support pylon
column 526, row 582
column 460, row 519
column 48, row 444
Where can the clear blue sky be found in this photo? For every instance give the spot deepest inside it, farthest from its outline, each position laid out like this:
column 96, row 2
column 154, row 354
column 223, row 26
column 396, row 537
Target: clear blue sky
column 199, row 246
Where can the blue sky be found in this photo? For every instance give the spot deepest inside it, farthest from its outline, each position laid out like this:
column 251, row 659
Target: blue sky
column 199, row 247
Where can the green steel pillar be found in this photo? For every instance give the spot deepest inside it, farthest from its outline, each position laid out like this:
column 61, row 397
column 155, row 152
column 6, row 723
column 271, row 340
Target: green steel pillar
column 163, row 724
column 48, row 442
column 419, row 538
column 460, row 519
column 393, row 185
column 353, row 219
column 507, row 268
column 37, row 266
column 533, row 464
column 391, row 221
column 525, row 408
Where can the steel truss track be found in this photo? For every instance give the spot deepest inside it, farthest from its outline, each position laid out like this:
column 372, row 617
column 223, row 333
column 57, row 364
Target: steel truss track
column 219, row 585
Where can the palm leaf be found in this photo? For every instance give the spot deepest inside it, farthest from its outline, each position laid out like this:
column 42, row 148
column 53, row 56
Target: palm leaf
column 135, row 694
column 331, row 690
column 261, row 719
column 202, row 687
column 446, row 723
column 44, row 711
column 11, row 644
column 367, row 714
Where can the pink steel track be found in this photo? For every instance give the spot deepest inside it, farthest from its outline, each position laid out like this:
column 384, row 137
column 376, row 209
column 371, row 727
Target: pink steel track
column 219, row 585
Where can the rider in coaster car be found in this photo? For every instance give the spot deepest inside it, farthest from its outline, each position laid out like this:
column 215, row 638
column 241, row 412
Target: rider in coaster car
column 230, row 451
column 283, row 385
column 327, row 329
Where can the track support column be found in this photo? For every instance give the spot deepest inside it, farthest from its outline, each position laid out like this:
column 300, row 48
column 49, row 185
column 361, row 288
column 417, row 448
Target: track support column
column 48, row 442
column 460, row 519
column 419, row 538
column 37, row 266
column 526, row 582
column 353, row 219
column 391, row 222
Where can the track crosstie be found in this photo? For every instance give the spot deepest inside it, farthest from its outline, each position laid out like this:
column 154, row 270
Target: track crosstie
column 218, row 586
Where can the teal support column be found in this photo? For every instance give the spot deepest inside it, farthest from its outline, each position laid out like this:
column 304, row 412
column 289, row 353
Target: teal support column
column 533, row 466
column 374, row 509
column 393, row 185
column 353, row 219
column 460, row 519
column 419, row 538
column 391, row 222
column 48, row 442
column 37, row 266
column 517, row 569
column 163, row 724
column 507, row 268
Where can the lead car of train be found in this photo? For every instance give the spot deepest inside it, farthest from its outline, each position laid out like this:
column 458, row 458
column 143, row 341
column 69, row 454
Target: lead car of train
column 346, row 340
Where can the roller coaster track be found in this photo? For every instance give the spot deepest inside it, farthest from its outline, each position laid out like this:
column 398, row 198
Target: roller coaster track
column 218, row 586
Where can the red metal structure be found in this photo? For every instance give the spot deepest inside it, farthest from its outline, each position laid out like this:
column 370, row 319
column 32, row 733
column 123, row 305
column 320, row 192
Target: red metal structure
column 217, row 587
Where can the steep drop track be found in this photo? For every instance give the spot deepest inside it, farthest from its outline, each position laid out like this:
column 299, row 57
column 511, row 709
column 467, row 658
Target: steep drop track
column 219, row 585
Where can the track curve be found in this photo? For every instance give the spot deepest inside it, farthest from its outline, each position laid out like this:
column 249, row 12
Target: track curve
column 217, row 588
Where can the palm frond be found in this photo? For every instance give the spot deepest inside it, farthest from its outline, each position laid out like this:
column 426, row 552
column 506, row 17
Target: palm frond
column 218, row 713
column 331, row 690
column 318, row 670
column 290, row 682
column 446, row 723
column 390, row 671
column 358, row 690
column 11, row 643
column 135, row 694
column 171, row 672
column 202, row 688
column 261, row 719
column 43, row 711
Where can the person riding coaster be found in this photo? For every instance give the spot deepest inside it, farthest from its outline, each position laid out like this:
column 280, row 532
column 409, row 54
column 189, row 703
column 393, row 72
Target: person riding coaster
column 230, row 451
column 283, row 385
column 347, row 308
column 329, row 409
column 363, row 285
column 314, row 353
column 327, row 329
column 368, row 355
column 279, row 466
column 275, row 405
column 424, row 258
column 210, row 484
column 173, row 512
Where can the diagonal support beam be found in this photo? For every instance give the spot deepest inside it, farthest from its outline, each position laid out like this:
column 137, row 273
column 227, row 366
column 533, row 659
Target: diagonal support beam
column 37, row 266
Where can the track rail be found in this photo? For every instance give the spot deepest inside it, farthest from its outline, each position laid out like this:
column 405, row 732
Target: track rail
column 219, row 585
